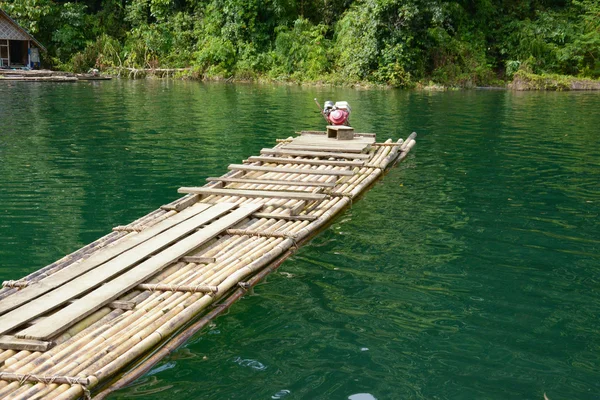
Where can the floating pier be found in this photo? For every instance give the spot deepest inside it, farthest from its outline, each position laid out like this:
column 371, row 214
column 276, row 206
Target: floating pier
column 76, row 327
column 47, row 76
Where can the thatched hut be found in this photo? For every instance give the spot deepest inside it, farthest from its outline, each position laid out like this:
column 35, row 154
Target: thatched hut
column 17, row 47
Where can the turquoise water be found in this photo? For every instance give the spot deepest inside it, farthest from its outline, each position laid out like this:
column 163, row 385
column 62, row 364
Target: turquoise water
column 471, row 271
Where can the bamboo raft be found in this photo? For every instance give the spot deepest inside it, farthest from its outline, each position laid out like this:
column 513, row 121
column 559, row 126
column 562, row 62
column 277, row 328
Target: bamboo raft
column 78, row 326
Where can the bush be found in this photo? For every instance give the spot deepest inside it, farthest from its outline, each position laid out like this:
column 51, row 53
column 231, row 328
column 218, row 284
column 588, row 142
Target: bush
column 302, row 52
column 103, row 54
column 217, row 55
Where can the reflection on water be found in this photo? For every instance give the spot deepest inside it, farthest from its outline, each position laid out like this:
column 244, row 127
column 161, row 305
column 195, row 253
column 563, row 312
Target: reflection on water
column 469, row 272
column 281, row 394
column 361, row 396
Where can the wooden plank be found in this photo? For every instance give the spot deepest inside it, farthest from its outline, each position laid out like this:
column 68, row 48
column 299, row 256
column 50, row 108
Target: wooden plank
column 359, row 134
column 328, row 149
column 322, row 154
column 13, row 343
column 198, row 259
column 284, row 160
column 338, row 146
column 117, row 304
column 181, row 204
column 130, row 279
column 321, row 139
column 286, row 217
column 94, row 278
column 357, row 143
column 297, row 208
column 71, row 272
column 254, row 193
column 241, row 167
column 272, row 182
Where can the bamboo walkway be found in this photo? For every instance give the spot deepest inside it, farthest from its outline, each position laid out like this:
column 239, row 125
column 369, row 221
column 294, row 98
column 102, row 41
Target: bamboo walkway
column 68, row 329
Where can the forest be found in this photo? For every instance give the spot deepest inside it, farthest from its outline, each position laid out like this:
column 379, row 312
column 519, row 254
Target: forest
column 392, row 42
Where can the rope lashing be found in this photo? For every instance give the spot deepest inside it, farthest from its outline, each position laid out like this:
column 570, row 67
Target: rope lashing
column 48, row 380
column 122, row 228
column 162, row 287
column 247, row 232
column 15, row 284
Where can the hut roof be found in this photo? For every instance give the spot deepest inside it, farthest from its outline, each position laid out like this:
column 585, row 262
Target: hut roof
column 19, row 28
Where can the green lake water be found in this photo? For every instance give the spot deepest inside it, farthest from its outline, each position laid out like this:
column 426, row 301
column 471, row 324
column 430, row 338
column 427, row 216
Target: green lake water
column 471, row 271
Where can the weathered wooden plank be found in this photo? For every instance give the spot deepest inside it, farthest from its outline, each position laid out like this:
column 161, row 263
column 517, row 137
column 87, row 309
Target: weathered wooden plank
column 323, row 154
column 117, row 304
column 359, row 134
column 94, row 278
column 37, row 289
column 198, row 259
column 286, row 217
column 297, row 208
column 13, row 343
column 308, row 171
column 254, row 193
column 271, row 182
column 284, row 160
column 328, row 149
column 181, row 204
column 335, row 143
column 319, row 141
column 130, row 279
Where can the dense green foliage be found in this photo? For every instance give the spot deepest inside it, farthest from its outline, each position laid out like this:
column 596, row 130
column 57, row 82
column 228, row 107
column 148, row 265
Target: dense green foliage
column 396, row 42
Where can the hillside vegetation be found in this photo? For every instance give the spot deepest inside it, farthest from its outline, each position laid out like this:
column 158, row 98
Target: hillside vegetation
column 393, row 42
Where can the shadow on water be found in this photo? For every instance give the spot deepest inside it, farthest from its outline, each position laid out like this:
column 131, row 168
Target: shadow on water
column 470, row 271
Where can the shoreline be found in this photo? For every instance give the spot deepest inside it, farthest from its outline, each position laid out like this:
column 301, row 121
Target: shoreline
column 522, row 80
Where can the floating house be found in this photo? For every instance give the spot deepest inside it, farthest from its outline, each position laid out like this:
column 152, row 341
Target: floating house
column 17, row 47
